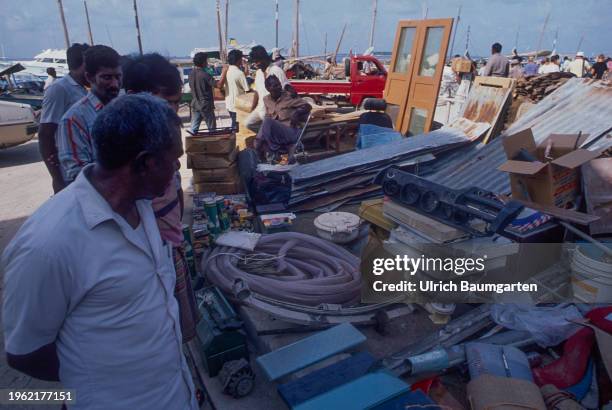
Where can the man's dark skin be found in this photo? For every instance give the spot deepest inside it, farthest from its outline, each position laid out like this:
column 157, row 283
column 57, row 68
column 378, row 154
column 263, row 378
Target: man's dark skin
column 263, row 66
column 300, row 114
column 105, row 83
column 275, row 89
column 46, row 138
column 145, row 177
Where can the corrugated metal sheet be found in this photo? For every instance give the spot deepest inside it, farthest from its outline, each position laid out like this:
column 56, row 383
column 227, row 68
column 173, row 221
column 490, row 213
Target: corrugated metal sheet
column 579, row 105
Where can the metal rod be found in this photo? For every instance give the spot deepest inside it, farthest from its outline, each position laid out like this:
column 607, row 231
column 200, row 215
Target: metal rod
column 276, row 23
column 91, row 42
column 296, row 29
column 452, row 47
column 373, row 23
column 586, row 237
column 137, row 28
column 63, row 18
column 226, row 25
column 219, row 30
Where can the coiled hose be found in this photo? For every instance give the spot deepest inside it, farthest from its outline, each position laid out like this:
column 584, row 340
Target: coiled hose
column 291, row 267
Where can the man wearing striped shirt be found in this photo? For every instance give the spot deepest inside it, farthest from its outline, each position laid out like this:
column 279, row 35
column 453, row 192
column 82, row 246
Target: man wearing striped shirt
column 74, row 144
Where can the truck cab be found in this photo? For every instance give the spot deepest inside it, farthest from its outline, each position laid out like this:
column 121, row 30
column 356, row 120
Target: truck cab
column 365, row 77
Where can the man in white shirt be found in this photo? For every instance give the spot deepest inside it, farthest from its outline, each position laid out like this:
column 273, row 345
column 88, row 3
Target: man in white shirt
column 234, row 82
column 262, row 60
column 51, row 77
column 59, row 97
column 579, row 67
column 89, row 283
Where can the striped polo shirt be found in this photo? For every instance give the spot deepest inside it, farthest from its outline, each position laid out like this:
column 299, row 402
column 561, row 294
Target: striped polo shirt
column 75, row 147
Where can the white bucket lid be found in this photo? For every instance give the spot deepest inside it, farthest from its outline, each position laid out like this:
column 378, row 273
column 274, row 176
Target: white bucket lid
column 337, row 222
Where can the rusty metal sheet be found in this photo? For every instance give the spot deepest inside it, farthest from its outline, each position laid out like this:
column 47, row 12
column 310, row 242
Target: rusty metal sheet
column 579, row 105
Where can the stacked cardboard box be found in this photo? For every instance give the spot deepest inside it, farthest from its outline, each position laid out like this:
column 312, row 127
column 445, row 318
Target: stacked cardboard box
column 212, row 157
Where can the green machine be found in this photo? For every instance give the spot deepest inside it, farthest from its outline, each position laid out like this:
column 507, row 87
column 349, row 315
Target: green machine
column 219, row 331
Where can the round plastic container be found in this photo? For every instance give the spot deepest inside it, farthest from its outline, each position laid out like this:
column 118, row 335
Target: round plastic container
column 591, row 277
column 338, row 227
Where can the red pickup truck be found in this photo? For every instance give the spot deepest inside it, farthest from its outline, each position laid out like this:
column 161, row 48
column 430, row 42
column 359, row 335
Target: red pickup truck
column 365, row 78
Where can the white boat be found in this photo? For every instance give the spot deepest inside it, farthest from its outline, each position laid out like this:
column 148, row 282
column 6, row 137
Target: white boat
column 55, row 58
column 17, row 124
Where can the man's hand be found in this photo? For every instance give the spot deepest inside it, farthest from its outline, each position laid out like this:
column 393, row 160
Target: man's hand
column 289, row 88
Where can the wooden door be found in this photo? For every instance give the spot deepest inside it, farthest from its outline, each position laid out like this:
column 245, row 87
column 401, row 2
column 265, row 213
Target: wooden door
column 400, row 71
column 413, row 89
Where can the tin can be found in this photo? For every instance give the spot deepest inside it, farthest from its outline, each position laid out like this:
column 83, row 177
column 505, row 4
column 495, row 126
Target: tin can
column 210, row 206
column 224, row 221
column 189, row 255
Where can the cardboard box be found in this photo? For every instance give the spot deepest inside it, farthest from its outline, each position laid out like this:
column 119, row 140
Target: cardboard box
column 210, row 144
column 229, row 174
column 206, row 161
column 461, row 65
column 550, row 181
column 220, row 188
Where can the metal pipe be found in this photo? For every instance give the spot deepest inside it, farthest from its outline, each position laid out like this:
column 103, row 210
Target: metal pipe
column 586, row 237
column 226, row 25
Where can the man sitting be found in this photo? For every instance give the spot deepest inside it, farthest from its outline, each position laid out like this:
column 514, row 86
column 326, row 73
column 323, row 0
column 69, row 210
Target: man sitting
column 279, row 131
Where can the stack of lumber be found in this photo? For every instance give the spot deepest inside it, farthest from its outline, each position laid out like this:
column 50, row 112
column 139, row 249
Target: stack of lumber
column 537, row 87
column 212, row 157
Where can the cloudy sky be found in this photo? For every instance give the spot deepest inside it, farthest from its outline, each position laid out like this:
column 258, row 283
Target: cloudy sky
column 175, row 27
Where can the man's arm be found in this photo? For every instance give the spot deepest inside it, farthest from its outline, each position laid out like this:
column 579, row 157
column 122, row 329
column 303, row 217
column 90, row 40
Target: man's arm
column 488, row 69
column 41, row 364
column 48, row 152
column 300, row 114
column 255, row 101
column 223, row 78
column 37, row 293
column 74, row 146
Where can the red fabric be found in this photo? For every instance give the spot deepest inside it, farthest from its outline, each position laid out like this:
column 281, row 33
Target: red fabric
column 569, row 369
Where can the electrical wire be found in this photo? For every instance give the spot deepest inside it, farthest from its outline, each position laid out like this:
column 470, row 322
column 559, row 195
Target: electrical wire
column 291, row 267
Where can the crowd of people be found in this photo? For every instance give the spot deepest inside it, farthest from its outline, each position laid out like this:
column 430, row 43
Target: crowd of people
column 499, row 65
column 97, row 292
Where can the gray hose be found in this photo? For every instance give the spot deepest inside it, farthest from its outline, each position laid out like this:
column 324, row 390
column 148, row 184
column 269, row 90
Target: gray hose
column 307, row 270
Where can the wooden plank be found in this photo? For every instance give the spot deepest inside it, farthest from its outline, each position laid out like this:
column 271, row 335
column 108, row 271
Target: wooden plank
column 430, row 227
column 567, row 215
column 365, row 392
column 325, row 379
column 311, row 350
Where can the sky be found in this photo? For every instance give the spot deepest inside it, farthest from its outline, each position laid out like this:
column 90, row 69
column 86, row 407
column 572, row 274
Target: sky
column 175, row 27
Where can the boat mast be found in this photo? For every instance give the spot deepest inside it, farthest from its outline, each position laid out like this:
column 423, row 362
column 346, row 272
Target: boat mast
column 137, row 28
column 61, row 10
column 219, row 29
column 325, row 45
column 516, row 38
column 296, row 29
column 542, row 34
column 88, row 23
column 276, row 23
column 373, row 23
column 579, row 43
column 226, row 24
column 455, row 33
column 339, row 42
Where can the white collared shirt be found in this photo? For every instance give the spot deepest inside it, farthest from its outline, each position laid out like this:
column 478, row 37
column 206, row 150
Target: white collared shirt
column 77, row 274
